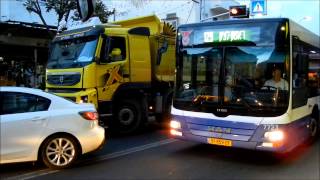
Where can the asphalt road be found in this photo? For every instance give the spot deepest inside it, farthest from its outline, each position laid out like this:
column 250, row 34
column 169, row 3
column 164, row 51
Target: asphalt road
column 151, row 154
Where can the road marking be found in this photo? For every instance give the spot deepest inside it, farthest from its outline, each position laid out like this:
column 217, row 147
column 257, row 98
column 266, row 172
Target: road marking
column 125, row 152
column 32, row 174
column 131, row 150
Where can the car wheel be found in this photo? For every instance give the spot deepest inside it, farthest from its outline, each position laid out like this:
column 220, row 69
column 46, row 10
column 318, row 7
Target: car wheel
column 59, row 152
column 128, row 116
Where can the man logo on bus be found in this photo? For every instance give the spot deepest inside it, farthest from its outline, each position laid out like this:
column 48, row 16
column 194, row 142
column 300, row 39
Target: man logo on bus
column 219, row 130
column 186, row 37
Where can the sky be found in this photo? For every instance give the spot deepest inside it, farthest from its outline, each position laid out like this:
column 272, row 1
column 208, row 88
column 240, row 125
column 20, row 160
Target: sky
column 296, row 10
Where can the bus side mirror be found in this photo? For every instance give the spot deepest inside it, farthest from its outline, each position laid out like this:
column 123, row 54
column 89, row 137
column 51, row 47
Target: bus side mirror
column 85, row 9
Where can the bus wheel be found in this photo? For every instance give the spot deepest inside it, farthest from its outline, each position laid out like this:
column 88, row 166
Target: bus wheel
column 128, row 116
column 314, row 127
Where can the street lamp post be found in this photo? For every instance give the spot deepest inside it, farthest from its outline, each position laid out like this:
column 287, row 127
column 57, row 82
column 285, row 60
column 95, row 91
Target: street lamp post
column 215, row 16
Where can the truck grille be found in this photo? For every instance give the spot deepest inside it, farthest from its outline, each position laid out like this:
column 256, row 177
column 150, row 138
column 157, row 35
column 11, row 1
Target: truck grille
column 64, row 79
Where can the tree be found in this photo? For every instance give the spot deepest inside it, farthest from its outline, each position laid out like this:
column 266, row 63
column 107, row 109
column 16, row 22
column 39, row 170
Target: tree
column 63, row 9
column 34, row 6
column 102, row 11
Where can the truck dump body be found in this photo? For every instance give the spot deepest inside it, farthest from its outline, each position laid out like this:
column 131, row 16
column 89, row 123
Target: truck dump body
column 161, row 34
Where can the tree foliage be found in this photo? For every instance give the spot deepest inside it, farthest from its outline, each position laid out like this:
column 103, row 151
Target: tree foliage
column 63, row 9
column 34, row 6
column 102, row 11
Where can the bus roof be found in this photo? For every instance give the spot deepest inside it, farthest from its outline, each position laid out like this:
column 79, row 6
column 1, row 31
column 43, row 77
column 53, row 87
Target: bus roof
column 304, row 34
column 295, row 29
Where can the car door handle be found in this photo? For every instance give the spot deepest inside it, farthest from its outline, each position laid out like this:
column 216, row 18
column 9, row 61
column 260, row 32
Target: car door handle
column 35, row 119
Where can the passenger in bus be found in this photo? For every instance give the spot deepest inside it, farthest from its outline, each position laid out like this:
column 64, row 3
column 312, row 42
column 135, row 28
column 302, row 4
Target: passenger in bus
column 276, row 81
column 228, row 88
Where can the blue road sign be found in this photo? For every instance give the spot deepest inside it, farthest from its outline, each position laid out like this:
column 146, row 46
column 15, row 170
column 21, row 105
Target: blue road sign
column 258, row 7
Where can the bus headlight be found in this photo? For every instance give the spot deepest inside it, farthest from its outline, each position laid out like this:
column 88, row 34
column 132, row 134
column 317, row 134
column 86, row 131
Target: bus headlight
column 274, row 136
column 175, row 125
column 175, row 132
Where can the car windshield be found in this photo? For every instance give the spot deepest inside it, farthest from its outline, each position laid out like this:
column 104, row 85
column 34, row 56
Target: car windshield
column 72, row 53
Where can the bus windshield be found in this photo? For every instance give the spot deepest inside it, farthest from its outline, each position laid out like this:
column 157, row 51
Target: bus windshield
column 72, row 53
column 243, row 79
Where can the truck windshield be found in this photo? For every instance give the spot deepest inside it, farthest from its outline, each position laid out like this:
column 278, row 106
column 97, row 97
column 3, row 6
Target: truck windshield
column 72, row 53
column 239, row 68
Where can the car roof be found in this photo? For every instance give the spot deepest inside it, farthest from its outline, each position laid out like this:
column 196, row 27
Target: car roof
column 21, row 89
column 34, row 91
column 57, row 101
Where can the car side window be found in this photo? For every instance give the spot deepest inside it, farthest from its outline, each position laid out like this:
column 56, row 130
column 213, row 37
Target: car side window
column 15, row 102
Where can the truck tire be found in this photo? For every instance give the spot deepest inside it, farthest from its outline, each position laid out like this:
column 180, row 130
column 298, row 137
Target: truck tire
column 128, row 116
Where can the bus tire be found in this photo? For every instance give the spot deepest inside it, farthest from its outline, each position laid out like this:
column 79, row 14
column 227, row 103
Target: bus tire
column 314, row 126
column 128, row 116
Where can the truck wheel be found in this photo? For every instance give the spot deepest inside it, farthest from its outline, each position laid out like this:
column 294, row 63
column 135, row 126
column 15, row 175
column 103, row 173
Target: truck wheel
column 128, row 116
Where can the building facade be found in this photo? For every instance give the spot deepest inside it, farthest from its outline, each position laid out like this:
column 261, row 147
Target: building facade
column 24, row 44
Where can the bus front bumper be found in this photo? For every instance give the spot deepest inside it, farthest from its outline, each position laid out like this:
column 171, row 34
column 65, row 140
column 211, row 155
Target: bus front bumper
column 285, row 139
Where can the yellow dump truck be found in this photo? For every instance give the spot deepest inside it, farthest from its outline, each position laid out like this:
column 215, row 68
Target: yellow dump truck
column 126, row 69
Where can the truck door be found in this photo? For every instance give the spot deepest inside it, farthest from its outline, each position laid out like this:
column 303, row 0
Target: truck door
column 140, row 59
column 113, row 67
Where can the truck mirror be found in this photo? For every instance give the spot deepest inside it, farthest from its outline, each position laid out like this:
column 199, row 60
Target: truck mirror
column 162, row 50
column 85, row 9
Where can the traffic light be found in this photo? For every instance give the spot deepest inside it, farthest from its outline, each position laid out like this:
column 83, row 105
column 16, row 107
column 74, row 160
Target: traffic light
column 238, row 11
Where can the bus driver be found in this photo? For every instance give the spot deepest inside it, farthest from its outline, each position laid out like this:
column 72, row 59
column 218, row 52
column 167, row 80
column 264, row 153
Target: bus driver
column 277, row 81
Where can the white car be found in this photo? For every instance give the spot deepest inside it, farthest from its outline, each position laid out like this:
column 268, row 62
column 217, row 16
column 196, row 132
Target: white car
column 36, row 125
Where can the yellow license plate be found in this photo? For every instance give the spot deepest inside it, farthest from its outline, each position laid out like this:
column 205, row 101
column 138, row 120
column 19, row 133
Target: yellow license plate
column 220, row 142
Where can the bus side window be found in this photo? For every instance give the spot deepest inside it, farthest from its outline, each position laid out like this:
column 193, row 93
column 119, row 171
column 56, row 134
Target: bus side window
column 314, row 71
column 300, row 71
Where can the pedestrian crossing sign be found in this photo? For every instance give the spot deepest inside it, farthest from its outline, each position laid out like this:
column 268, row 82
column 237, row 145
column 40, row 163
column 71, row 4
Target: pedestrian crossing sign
column 258, row 7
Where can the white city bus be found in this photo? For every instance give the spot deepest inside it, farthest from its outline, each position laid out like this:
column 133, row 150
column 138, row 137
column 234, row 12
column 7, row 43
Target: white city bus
column 250, row 83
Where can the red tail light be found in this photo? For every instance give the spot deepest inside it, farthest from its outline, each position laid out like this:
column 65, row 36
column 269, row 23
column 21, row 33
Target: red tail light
column 89, row 115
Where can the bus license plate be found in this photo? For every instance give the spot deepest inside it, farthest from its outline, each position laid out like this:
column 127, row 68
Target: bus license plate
column 220, row 142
